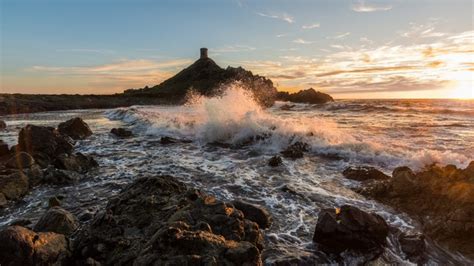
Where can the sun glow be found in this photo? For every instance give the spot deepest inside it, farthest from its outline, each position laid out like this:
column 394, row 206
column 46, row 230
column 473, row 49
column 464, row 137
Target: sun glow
column 463, row 85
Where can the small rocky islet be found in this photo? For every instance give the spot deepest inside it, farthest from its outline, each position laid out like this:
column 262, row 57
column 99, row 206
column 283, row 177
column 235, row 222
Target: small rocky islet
column 159, row 220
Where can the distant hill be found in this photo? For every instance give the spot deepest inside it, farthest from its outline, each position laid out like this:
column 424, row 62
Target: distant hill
column 206, row 77
column 305, row 96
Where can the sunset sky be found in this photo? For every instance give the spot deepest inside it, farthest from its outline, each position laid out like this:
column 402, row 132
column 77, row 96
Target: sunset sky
column 350, row 49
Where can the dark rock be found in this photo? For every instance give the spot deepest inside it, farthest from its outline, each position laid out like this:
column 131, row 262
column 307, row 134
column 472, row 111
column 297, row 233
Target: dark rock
column 254, row 213
column 21, row 222
column 75, row 128
column 121, row 132
column 295, row 150
column 75, row 162
column 413, row 246
column 168, row 140
column 54, row 202
column 287, row 107
column 43, row 140
column 441, row 198
column 350, row 228
column 14, row 185
column 275, row 161
column 363, row 173
column 55, row 176
column 4, row 149
column 3, row 201
column 57, row 220
column 3, row 125
column 21, row 246
column 159, row 221
column 20, row 160
column 305, row 96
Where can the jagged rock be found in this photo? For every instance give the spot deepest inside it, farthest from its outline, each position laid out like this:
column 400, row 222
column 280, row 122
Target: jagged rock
column 75, row 128
column 21, row 246
column 3, row 125
column 254, row 213
column 413, row 246
column 4, row 149
column 75, row 162
column 20, row 160
column 55, row 176
column 275, row 161
column 14, row 185
column 57, row 220
column 43, row 140
column 295, row 150
column 157, row 220
column 363, row 173
column 121, row 132
column 305, row 96
column 441, row 198
column 350, row 228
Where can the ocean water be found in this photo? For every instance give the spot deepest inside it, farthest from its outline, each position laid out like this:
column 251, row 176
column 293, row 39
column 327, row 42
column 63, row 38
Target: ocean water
column 232, row 139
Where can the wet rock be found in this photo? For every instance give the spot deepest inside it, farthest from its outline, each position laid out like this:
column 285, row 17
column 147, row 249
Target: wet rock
column 43, row 140
column 55, row 176
column 75, row 162
column 363, row 173
column 275, row 161
column 14, row 185
column 21, row 246
column 295, row 150
column 3, row 201
column 3, row 125
column 20, row 160
column 254, row 213
column 121, row 132
column 21, row 222
column 350, row 228
column 168, row 140
column 57, row 220
column 413, row 246
column 287, row 107
column 54, row 202
column 75, row 128
column 158, row 220
column 4, row 149
column 441, row 198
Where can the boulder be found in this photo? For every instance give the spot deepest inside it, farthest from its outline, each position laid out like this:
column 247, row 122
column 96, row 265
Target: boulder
column 43, row 140
column 349, row 228
column 14, row 185
column 20, row 160
column 55, row 176
column 3, row 201
column 413, row 246
column 75, row 128
column 3, row 125
column 254, row 213
column 121, row 132
column 57, row 220
column 54, row 202
column 295, row 150
column 21, row 246
column 363, row 173
column 159, row 221
column 75, row 162
column 4, row 149
column 275, row 161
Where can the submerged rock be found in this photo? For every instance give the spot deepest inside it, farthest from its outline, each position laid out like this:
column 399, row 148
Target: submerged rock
column 254, row 213
column 21, row 246
column 275, row 161
column 349, row 228
column 295, row 150
column 121, row 132
column 363, row 173
column 75, row 128
column 441, row 198
column 157, row 220
column 57, row 220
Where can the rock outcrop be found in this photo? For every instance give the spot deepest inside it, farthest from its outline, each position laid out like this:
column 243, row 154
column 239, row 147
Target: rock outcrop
column 305, row 96
column 75, row 128
column 364, row 173
column 207, row 78
column 441, row 198
column 157, row 220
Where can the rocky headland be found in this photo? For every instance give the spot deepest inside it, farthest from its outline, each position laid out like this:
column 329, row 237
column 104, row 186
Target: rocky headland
column 305, row 96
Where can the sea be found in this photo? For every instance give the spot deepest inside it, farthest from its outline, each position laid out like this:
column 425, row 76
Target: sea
column 230, row 140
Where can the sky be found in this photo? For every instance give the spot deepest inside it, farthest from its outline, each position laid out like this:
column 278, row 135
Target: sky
column 348, row 48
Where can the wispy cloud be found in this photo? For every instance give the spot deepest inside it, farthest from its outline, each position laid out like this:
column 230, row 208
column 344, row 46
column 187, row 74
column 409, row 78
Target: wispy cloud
column 339, row 36
column 421, row 31
column 363, row 6
column 311, row 26
column 284, row 17
column 233, row 49
column 302, row 41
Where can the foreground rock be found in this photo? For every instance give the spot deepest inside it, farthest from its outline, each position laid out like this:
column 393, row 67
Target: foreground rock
column 75, row 128
column 441, row 198
column 121, row 132
column 57, row 220
column 254, row 213
column 159, row 221
column 21, row 246
column 78, row 162
column 363, row 173
column 305, row 96
column 350, row 228
column 275, row 161
column 13, row 185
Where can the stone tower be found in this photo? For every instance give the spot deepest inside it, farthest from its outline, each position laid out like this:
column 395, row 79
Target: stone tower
column 203, row 53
